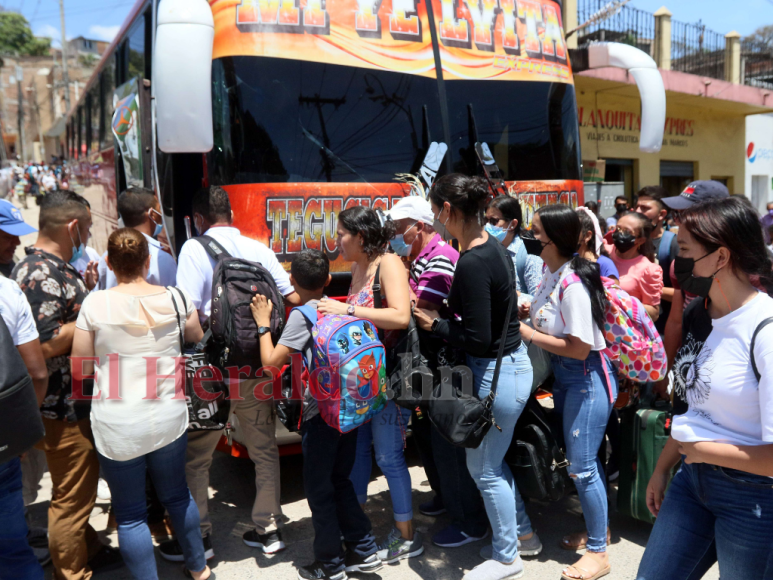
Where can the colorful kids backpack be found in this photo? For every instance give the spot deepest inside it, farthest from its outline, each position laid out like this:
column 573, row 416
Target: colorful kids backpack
column 633, row 344
column 347, row 375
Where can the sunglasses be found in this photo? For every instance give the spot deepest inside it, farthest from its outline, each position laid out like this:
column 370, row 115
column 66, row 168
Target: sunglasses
column 492, row 221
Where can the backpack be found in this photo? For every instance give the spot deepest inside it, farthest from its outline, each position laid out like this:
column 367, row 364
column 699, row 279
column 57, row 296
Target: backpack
column 348, row 371
column 21, row 426
column 232, row 338
column 664, row 250
column 633, row 344
column 520, row 267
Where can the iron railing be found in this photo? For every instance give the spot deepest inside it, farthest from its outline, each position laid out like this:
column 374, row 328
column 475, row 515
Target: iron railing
column 757, row 64
column 629, row 26
column 697, row 50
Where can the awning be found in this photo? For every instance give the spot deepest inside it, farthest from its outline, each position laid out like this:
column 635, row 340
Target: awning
column 57, row 129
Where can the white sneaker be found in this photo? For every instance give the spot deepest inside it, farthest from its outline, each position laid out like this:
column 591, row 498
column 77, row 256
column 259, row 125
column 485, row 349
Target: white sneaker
column 103, row 490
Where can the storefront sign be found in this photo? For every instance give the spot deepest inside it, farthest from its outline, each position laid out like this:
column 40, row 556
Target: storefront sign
column 594, row 170
column 617, row 126
column 478, row 39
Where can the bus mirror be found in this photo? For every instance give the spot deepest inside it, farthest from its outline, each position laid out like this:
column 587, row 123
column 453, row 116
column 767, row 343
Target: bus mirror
column 182, row 76
column 647, row 76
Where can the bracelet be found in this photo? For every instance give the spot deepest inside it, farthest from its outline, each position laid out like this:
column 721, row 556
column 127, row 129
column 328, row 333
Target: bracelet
column 532, row 337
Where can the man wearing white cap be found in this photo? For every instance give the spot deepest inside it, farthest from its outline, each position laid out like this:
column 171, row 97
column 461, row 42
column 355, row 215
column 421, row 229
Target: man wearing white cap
column 432, row 260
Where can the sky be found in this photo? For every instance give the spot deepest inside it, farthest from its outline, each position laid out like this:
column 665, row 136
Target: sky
column 102, row 19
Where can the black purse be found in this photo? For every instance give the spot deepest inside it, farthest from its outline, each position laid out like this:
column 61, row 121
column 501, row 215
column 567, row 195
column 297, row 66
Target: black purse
column 203, row 414
column 460, row 417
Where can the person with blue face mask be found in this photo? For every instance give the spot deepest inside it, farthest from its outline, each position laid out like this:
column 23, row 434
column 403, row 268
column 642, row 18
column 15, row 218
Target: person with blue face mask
column 139, row 209
column 503, row 221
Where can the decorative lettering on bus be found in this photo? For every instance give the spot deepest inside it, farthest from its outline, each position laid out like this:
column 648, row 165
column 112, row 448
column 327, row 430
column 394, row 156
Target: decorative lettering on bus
column 404, row 22
column 269, row 16
column 366, row 20
column 299, row 223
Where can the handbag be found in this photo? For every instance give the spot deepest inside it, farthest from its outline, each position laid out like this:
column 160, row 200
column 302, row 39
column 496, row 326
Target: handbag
column 409, row 380
column 460, row 417
column 203, row 414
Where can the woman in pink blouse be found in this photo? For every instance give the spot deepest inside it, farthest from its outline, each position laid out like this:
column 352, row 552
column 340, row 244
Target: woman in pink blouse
column 634, row 256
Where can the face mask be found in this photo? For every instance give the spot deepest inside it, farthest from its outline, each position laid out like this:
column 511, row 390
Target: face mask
column 159, row 227
column 196, row 227
column 698, row 285
column 533, row 246
column 623, row 241
column 496, row 232
column 399, row 246
column 440, row 228
column 621, row 208
column 77, row 252
column 770, row 212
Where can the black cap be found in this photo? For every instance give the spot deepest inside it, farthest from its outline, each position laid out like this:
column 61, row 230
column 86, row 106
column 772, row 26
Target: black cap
column 697, row 192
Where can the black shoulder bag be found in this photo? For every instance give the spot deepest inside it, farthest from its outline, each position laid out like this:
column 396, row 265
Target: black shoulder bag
column 211, row 413
column 462, row 418
column 409, row 380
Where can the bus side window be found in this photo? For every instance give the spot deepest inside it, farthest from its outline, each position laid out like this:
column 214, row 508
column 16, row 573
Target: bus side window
column 136, row 49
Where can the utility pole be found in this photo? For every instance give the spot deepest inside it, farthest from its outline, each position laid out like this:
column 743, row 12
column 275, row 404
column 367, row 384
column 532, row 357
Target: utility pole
column 65, row 76
column 20, row 109
column 317, row 101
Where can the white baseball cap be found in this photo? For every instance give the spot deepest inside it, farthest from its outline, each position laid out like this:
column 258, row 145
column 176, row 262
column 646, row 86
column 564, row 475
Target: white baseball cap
column 412, row 207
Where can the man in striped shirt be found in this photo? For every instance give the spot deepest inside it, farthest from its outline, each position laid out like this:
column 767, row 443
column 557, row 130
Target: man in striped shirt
column 432, row 260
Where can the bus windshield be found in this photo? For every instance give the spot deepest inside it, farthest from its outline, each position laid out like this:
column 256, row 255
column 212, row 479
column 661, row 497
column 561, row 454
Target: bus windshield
column 281, row 120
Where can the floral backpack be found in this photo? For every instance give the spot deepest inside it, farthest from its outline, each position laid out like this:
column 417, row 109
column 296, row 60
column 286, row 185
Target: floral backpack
column 633, row 344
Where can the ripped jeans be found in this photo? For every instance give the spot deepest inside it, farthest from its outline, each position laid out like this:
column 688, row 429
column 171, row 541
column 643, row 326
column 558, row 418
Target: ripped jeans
column 581, row 397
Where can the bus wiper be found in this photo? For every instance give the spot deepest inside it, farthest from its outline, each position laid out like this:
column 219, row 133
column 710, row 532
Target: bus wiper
column 432, row 162
column 494, row 175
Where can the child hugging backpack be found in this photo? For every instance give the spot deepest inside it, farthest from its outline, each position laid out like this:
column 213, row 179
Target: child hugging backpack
column 633, row 344
column 347, row 375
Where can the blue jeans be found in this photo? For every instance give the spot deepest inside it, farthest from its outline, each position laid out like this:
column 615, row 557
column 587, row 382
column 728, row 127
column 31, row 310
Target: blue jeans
column 581, row 397
column 706, row 504
column 504, row 506
column 17, row 562
column 386, row 431
column 127, row 486
column 328, row 457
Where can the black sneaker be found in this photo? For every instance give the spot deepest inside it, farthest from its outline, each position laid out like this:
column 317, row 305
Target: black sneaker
column 433, row 507
column 365, row 564
column 317, row 571
column 269, row 543
column 173, row 551
column 106, row 559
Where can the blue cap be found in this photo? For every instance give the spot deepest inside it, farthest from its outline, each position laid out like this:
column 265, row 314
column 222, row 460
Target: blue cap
column 697, row 192
column 11, row 221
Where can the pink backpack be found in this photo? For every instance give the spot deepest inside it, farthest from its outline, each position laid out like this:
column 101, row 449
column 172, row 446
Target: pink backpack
column 633, row 344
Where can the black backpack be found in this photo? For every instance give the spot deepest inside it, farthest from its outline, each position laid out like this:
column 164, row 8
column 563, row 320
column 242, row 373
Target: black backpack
column 535, row 458
column 21, row 426
column 232, row 338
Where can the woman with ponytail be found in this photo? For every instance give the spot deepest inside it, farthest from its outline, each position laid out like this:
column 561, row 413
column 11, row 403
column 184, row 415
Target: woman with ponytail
column 482, row 290
column 723, row 404
column 567, row 316
column 140, row 419
column 363, row 240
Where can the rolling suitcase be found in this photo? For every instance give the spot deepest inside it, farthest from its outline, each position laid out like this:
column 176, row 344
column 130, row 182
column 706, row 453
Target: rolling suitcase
column 644, row 433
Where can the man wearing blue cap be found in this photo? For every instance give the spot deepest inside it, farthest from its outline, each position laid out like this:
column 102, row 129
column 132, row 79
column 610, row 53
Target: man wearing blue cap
column 12, row 226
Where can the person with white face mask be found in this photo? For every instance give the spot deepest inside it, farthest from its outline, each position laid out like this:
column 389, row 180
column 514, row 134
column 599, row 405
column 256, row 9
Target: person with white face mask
column 139, row 209
column 503, row 221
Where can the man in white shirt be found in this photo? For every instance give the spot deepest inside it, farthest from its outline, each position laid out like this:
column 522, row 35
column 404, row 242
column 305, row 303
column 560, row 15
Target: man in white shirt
column 212, row 216
column 17, row 315
column 139, row 209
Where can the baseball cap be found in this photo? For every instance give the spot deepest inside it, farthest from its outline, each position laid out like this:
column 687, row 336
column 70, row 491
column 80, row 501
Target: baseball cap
column 697, row 192
column 412, row 207
column 11, row 221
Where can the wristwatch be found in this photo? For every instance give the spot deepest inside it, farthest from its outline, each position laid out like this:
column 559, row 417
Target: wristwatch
column 434, row 325
column 350, row 310
column 263, row 330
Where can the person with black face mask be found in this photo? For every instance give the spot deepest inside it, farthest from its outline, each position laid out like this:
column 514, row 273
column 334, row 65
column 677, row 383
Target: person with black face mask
column 633, row 254
column 723, row 405
column 621, row 206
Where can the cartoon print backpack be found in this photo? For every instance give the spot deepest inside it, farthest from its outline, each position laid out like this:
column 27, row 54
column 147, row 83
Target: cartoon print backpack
column 633, row 344
column 348, row 374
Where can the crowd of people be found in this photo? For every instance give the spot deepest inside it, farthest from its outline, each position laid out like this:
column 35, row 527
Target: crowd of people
column 18, row 182
column 706, row 287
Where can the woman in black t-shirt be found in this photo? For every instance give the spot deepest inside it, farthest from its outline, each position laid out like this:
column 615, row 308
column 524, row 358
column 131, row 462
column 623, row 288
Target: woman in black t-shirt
column 482, row 289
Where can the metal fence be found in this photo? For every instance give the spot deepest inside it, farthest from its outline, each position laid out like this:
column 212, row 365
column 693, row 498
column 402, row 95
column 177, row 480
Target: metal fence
column 697, row 50
column 629, row 26
column 757, row 64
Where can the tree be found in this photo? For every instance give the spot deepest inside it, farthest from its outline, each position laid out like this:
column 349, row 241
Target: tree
column 16, row 37
column 762, row 38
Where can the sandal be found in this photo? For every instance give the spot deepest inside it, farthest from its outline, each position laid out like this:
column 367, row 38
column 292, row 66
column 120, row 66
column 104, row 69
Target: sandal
column 566, row 543
column 584, row 573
